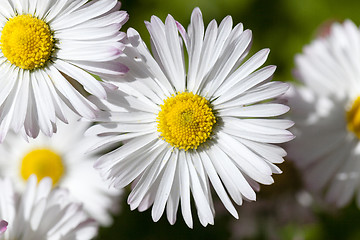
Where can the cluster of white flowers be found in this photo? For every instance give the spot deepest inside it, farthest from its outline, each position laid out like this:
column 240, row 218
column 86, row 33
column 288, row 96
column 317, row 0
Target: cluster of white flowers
column 86, row 110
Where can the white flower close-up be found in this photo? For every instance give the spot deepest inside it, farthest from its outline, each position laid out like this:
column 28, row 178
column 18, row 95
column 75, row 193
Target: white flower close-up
column 42, row 213
column 47, row 48
column 61, row 157
column 326, row 112
column 193, row 114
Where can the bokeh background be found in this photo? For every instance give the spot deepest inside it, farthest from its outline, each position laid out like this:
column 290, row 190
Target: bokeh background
column 283, row 210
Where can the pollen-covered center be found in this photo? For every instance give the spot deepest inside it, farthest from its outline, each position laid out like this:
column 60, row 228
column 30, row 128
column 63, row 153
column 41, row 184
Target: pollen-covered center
column 42, row 163
column 26, row 41
column 186, row 120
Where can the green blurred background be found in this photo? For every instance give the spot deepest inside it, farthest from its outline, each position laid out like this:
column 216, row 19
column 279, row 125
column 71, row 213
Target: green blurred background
column 283, row 210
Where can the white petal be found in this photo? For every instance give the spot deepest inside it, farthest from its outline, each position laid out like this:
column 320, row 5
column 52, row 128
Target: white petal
column 176, row 50
column 164, row 189
column 173, row 201
column 76, row 100
column 243, row 85
column 196, row 34
column 258, row 110
column 137, row 42
column 90, row 84
column 131, row 167
column 42, row 108
column 233, row 173
column 185, row 190
column 201, row 201
column 20, row 103
column 92, row 10
column 270, row 152
column 228, row 60
column 96, row 54
column 207, row 58
column 243, row 71
column 147, row 178
column 216, row 183
column 130, row 147
column 257, row 94
column 246, row 129
column 226, row 144
column 7, row 86
column 161, row 50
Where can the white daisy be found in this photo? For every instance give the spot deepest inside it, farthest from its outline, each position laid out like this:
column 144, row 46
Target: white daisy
column 47, row 48
column 183, row 132
column 326, row 111
column 41, row 213
column 61, row 157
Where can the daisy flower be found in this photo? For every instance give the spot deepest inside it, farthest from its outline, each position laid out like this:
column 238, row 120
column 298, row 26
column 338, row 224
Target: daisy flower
column 42, row 213
column 183, row 132
column 47, row 48
column 326, row 110
column 62, row 158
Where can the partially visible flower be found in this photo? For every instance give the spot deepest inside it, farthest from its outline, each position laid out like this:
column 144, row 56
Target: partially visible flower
column 183, row 132
column 47, row 48
column 3, row 227
column 326, row 110
column 62, row 158
column 42, row 213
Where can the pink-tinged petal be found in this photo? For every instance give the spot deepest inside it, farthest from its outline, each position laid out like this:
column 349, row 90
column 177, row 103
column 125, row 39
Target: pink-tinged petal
column 183, row 35
column 3, row 226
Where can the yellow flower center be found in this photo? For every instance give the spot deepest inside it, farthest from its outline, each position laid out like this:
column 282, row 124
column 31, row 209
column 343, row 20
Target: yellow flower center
column 186, row 120
column 26, row 41
column 353, row 118
column 42, row 163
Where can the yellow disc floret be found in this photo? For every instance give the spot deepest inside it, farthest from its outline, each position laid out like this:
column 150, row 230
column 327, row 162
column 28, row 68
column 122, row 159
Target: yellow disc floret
column 186, row 120
column 353, row 118
column 42, row 163
column 26, row 41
